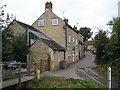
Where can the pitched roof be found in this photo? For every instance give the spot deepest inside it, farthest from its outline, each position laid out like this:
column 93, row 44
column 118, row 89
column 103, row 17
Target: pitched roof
column 73, row 29
column 33, row 30
column 52, row 44
column 92, row 42
column 41, row 36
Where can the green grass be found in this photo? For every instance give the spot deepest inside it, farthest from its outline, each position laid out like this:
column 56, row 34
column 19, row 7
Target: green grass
column 58, row 82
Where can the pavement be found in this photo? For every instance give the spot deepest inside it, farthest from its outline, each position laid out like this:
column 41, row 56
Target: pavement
column 71, row 71
column 83, row 69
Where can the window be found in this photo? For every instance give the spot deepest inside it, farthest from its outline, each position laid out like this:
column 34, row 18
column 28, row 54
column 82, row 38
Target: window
column 69, row 54
column 54, row 21
column 69, row 37
column 76, row 41
column 40, row 22
column 32, row 41
column 73, row 38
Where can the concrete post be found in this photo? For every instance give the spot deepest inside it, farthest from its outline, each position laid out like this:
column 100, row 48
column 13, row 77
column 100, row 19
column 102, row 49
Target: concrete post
column 109, row 77
column 38, row 74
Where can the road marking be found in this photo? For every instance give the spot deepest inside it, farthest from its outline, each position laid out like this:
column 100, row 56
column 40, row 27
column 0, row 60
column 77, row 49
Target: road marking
column 96, row 74
column 92, row 77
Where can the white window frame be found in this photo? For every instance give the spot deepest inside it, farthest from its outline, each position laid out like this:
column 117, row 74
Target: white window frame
column 32, row 41
column 69, row 53
column 54, row 21
column 73, row 39
column 69, row 38
column 76, row 41
column 40, row 22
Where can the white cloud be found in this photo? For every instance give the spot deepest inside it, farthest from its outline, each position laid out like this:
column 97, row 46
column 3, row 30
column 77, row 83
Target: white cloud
column 91, row 13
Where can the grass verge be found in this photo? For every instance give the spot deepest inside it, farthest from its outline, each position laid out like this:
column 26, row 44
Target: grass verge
column 102, row 68
column 58, row 82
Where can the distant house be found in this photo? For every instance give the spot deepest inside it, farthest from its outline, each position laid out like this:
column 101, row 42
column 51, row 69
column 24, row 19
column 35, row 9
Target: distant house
column 60, row 31
column 89, row 45
column 43, row 50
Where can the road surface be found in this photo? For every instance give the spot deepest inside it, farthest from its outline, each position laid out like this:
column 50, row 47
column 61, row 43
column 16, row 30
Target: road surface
column 83, row 69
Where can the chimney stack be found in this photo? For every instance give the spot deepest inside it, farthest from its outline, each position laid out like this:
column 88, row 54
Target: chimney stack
column 48, row 6
column 75, row 28
column 65, row 20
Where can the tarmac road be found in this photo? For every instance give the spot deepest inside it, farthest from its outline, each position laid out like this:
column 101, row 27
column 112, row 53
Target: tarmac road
column 83, row 69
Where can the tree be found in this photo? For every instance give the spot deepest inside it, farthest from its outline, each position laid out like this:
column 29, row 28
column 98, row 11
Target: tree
column 7, row 44
column 20, row 48
column 13, row 47
column 111, row 22
column 114, row 44
column 86, row 32
column 2, row 21
column 5, row 36
column 100, row 45
column 114, row 48
column 1, row 27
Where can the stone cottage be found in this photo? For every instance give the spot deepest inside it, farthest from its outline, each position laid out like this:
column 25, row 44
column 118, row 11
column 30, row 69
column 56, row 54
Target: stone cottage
column 61, row 32
column 42, row 49
column 51, row 40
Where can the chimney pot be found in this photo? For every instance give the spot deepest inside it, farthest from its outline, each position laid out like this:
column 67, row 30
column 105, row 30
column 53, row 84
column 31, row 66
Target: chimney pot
column 65, row 20
column 48, row 6
column 75, row 28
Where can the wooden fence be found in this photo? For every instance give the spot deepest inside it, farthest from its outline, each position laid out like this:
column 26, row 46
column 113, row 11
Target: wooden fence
column 12, row 76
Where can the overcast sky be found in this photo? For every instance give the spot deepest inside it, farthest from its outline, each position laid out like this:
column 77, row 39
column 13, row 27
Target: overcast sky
column 83, row 13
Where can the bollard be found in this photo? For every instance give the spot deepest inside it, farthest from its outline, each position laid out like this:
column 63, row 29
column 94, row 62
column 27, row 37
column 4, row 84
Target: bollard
column 109, row 77
column 38, row 74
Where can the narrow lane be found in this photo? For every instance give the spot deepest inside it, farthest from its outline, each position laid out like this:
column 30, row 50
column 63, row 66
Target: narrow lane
column 86, row 71
column 83, row 69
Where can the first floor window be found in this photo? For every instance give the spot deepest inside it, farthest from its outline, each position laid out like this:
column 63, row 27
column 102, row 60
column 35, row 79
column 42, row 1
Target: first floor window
column 69, row 53
column 69, row 38
column 73, row 38
column 76, row 41
column 40, row 22
column 54, row 21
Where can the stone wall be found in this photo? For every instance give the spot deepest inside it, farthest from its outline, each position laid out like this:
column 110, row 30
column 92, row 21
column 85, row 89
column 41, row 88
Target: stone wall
column 39, row 51
column 17, row 29
column 56, row 32
column 58, row 56
column 45, row 57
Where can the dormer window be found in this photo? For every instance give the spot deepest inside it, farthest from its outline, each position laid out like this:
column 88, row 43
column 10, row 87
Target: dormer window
column 40, row 22
column 54, row 21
